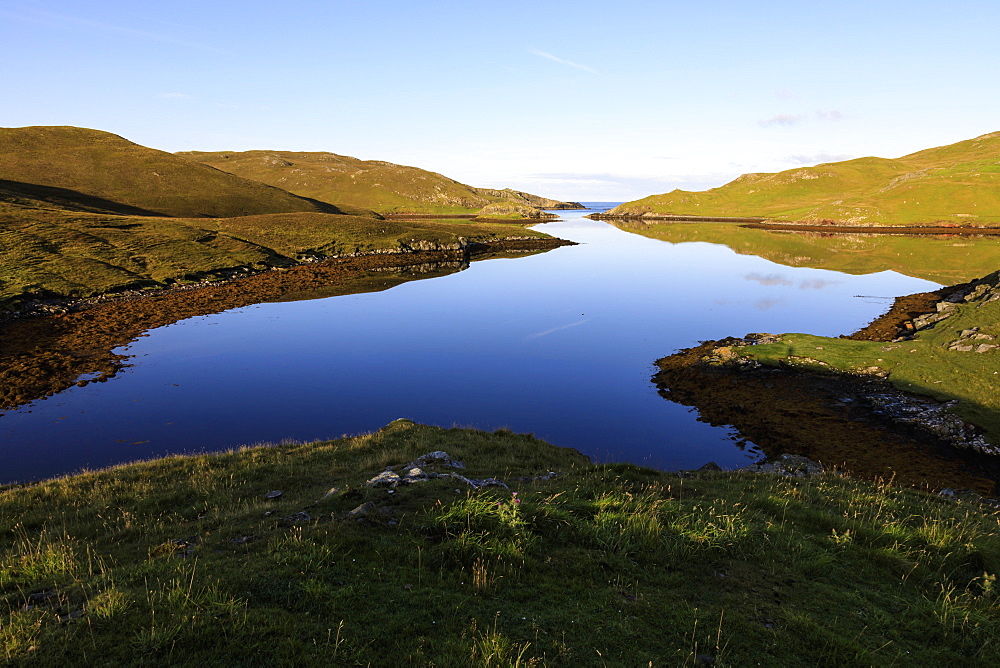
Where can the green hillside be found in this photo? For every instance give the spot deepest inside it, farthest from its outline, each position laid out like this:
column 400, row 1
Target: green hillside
column 957, row 184
column 373, row 184
column 942, row 259
column 47, row 252
column 83, row 169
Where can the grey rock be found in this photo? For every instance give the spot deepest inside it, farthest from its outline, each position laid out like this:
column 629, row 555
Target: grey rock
column 332, row 491
column 438, row 457
column 985, row 347
column 932, row 416
column 789, row 466
column 386, row 478
column 296, row 518
column 273, row 494
column 362, row 510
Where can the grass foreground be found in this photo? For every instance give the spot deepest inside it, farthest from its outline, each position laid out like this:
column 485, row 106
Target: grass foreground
column 184, row 560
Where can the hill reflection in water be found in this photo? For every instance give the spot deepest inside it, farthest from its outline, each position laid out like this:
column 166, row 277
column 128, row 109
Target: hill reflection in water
column 560, row 344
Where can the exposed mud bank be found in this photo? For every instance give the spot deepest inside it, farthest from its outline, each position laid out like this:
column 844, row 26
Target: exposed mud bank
column 429, row 216
column 836, row 419
column 898, row 320
column 860, row 423
column 60, row 343
column 668, row 218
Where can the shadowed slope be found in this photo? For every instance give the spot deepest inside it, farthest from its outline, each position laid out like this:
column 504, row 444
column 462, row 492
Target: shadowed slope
column 101, row 165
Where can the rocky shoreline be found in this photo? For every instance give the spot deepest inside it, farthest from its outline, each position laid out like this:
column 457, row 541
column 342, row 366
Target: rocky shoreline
column 858, row 422
column 52, row 345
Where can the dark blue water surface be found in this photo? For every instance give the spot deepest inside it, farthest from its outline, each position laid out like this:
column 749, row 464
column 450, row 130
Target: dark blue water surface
column 560, row 344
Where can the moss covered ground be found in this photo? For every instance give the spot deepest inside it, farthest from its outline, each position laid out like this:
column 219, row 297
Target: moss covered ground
column 183, row 560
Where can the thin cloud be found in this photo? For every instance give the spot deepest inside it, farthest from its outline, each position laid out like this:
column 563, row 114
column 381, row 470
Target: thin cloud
column 817, row 158
column 769, row 279
column 833, row 115
column 562, row 61
column 816, row 284
column 788, row 120
column 783, row 120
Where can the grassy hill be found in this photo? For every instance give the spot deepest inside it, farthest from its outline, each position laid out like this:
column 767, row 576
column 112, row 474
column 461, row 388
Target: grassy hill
column 48, row 252
column 84, row 212
column 590, row 566
column 78, row 168
column 381, row 186
column 945, row 260
column 959, row 183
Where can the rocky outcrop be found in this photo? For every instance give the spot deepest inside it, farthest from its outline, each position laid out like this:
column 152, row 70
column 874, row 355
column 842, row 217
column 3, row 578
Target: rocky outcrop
column 509, row 211
column 518, row 197
column 980, row 291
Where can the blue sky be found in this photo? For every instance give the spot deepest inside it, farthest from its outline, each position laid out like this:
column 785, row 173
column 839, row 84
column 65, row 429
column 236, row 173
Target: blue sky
column 575, row 100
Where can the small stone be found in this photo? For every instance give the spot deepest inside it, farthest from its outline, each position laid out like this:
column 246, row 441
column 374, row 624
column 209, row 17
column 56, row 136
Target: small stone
column 711, row 466
column 72, row 615
column 947, row 493
column 274, row 494
column 384, row 479
column 296, row 518
column 362, row 510
column 985, row 347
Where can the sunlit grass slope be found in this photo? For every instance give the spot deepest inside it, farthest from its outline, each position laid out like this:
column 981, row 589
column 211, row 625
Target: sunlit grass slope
column 91, row 165
column 945, row 260
column 926, row 365
column 373, row 184
column 183, row 561
column 959, row 183
column 57, row 253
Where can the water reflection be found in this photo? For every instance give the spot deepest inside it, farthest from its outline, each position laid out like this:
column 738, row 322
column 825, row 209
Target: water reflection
column 944, row 259
column 559, row 344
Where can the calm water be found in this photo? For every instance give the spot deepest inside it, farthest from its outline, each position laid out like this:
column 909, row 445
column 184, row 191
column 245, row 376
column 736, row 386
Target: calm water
column 560, row 344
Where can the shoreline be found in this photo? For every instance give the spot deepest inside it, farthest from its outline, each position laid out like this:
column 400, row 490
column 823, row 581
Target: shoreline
column 55, row 342
column 760, row 223
column 859, row 422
